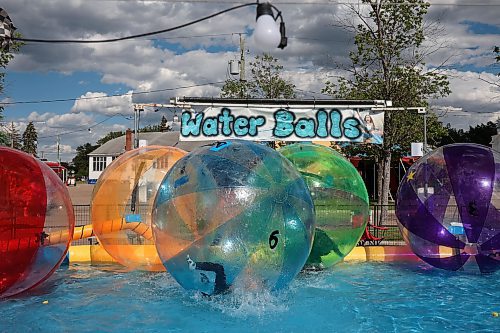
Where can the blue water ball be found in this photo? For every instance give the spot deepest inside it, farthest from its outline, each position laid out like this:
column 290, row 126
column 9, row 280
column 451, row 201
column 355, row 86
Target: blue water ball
column 448, row 206
column 233, row 215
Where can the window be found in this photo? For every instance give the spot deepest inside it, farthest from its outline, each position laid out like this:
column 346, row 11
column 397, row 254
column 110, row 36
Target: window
column 98, row 163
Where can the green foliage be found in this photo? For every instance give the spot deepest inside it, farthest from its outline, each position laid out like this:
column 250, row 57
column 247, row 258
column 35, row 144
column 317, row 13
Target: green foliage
column 150, row 128
column 5, row 58
column 4, row 139
column 109, row 136
column 11, row 136
column 265, row 81
column 81, row 159
column 387, row 64
column 480, row 134
column 30, row 138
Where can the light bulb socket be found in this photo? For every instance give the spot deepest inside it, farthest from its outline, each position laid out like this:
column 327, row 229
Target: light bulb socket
column 264, row 9
column 284, row 39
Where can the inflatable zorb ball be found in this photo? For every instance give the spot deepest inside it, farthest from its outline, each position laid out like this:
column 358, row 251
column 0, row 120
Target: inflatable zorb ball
column 36, row 221
column 340, row 200
column 233, row 215
column 122, row 203
column 448, row 208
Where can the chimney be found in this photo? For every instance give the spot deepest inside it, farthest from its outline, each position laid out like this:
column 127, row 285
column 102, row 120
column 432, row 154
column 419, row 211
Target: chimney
column 128, row 139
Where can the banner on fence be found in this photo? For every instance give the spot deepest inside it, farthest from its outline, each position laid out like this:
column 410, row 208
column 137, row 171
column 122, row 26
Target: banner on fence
column 283, row 124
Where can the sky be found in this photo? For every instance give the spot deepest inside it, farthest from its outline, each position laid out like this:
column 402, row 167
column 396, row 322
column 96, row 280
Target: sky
column 95, row 85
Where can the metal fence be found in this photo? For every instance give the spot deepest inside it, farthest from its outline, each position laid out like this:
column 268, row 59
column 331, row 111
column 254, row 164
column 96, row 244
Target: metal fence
column 82, row 217
column 391, row 236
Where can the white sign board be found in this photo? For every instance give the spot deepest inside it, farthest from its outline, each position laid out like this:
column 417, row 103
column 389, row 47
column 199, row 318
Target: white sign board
column 283, row 124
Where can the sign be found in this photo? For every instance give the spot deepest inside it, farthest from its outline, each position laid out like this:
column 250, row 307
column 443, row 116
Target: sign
column 283, row 124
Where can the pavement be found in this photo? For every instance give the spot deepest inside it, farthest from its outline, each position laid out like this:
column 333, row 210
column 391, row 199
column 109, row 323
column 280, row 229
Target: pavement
column 81, row 194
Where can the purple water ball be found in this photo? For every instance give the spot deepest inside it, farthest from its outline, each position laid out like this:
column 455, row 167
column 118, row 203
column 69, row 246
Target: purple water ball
column 448, row 208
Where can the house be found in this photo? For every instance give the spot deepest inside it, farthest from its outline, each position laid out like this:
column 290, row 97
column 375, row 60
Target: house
column 102, row 157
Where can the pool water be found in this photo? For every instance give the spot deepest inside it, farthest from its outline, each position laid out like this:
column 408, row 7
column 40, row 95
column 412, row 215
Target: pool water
column 350, row 297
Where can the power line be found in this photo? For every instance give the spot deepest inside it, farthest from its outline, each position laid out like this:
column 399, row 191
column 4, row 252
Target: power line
column 312, row 2
column 78, row 130
column 110, row 40
column 110, row 96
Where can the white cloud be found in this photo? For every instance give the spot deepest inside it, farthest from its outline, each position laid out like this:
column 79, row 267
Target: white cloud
column 101, row 103
column 472, row 101
column 316, row 48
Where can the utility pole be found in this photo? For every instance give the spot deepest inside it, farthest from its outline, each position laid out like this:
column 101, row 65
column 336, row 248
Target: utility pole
column 58, row 148
column 12, row 135
column 137, row 114
column 242, row 58
column 242, row 65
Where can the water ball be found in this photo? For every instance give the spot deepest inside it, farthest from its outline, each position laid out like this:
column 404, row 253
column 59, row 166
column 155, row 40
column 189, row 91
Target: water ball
column 340, row 199
column 122, row 203
column 234, row 215
column 448, row 208
column 36, row 221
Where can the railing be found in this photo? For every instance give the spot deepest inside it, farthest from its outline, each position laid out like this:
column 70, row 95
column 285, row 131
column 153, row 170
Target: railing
column 82, row 217
column 392, row 235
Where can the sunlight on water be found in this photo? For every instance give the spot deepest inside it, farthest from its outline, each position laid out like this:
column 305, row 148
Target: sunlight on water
column 350, row 297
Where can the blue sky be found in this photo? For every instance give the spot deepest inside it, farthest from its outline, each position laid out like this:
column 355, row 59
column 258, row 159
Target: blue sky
column 197, row 55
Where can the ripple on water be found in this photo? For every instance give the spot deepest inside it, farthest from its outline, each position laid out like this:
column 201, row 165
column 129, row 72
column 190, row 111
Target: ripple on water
column 350, row 297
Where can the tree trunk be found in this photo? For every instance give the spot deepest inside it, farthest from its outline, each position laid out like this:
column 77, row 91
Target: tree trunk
column 379, row 163
column 386, row 181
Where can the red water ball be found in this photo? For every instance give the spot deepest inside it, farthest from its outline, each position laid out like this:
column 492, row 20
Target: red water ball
column 36, row 221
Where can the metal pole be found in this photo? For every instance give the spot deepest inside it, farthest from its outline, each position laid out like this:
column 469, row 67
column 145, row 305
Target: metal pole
column 12, row 135
column 136, row 127
column 242, row 58
column 425, row 132
column 58, row 149
column 242, row 65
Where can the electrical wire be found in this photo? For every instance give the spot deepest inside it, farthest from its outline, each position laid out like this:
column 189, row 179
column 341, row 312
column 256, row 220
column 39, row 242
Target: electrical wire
column 110, row 96
column 312, row 2
column 79, row 130
column 111, row 40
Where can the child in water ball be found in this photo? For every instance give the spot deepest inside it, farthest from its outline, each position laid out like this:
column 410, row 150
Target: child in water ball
column 232, row 213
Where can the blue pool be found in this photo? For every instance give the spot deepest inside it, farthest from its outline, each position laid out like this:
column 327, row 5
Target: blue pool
column 351, row 297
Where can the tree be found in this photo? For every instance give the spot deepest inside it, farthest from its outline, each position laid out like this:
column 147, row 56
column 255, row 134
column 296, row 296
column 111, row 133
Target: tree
column 6, row 55
column 81, row 159
column 30, row 138
column 150, row 128
column 265, row 82
column 109, row 136
column 13, row 138
column 388, row 63
column 164, row 125
column 480, row 134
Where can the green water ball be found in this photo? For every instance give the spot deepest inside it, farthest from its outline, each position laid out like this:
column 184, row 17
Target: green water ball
column 340, row 200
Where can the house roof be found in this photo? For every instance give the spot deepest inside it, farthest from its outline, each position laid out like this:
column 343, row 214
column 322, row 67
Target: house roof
column 116, row 146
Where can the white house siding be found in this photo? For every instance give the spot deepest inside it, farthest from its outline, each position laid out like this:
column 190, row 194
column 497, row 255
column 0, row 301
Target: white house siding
column 95, row 174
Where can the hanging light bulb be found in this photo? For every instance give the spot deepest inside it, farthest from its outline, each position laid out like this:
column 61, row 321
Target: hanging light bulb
column 267, row 33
